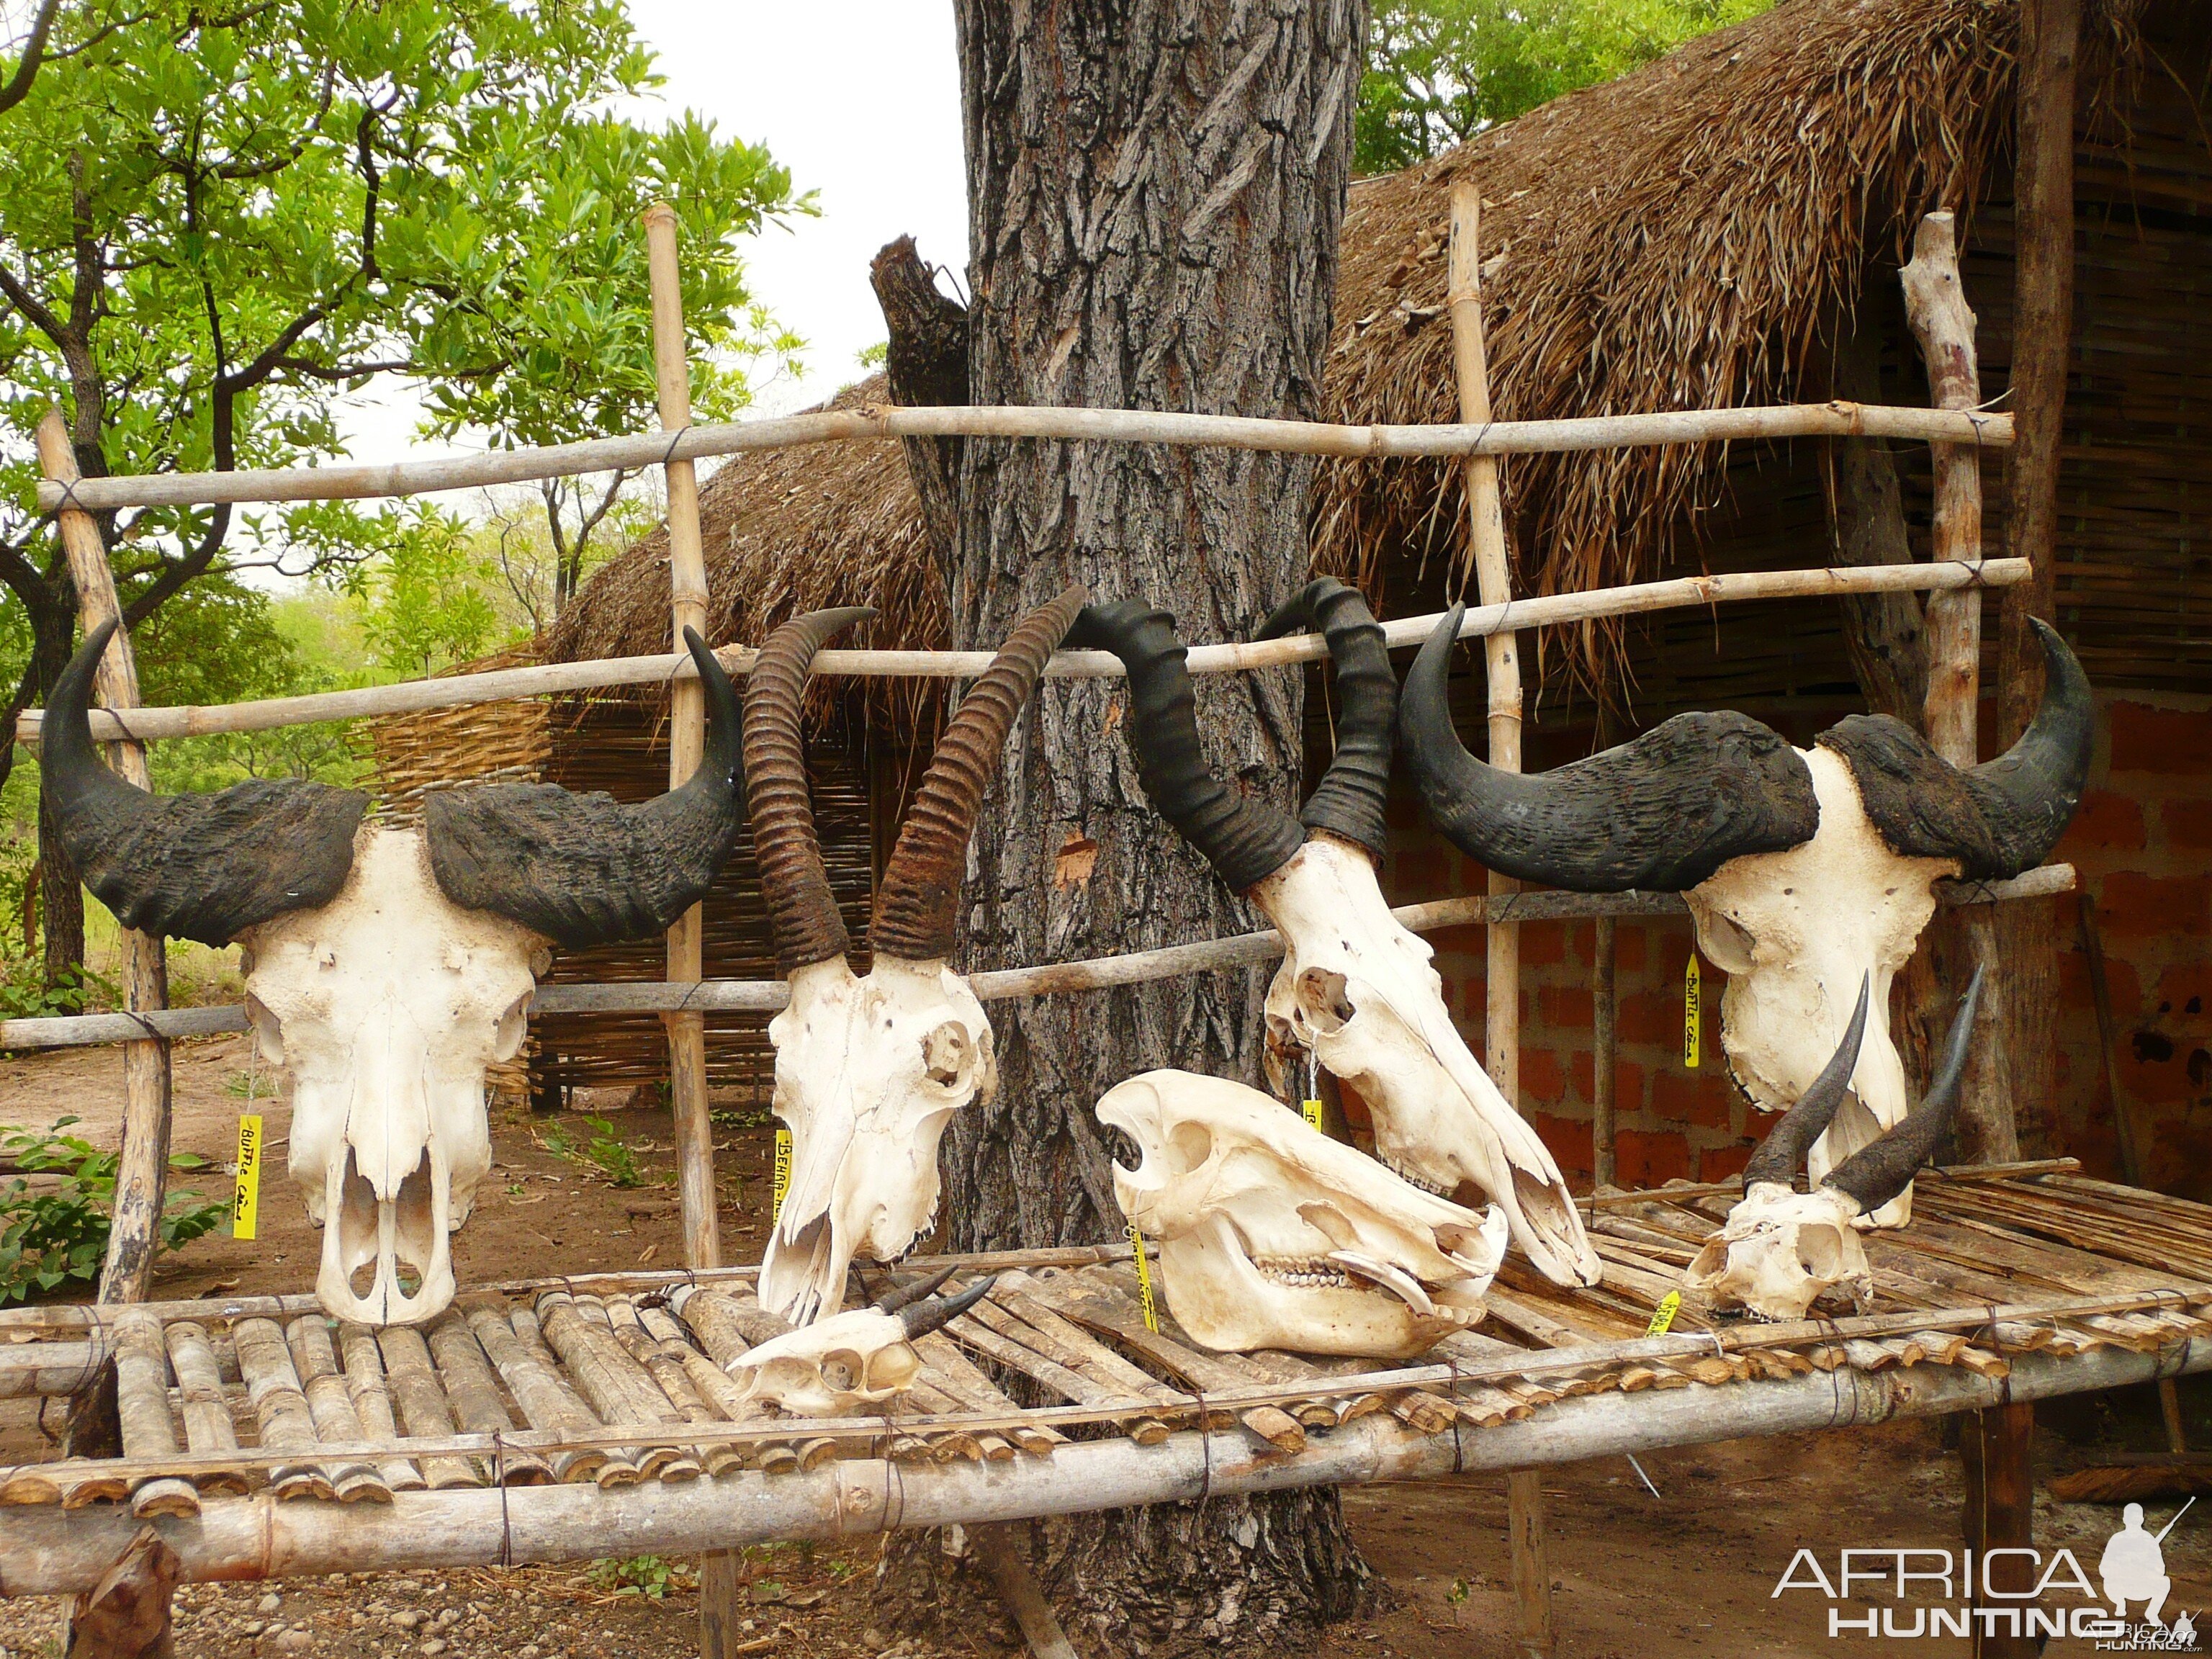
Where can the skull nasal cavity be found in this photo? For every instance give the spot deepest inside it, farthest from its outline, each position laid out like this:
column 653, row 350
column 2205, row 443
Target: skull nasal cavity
column 1323, row 995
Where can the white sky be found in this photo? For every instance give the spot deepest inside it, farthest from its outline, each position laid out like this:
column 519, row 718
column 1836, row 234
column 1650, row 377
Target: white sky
column 861, row 100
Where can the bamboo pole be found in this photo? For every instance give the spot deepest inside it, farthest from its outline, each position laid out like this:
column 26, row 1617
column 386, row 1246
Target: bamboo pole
column 47, row 1551
column 770, row 995
column 882, row 423
column 687, row 739
column 1943, row 323
column 1553, row 610
column 207, row 1426
column 143, row 1172
column 142, row 1403
column 1494, row 576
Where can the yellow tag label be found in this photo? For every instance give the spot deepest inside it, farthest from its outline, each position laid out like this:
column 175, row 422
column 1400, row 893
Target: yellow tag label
column 1310, row 1110
column 1693, row 1007
column 1144, row 1280
column 246, row 1197
column 1662, row 1318
column 782, row 1172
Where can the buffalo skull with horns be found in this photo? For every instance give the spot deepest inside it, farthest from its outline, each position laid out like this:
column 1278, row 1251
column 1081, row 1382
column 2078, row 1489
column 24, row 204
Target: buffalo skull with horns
column 869, row 1069
column 846, row 1363
column 1782, row 1250
column 386, row 969
column 1356, row 988
column 1806, row 871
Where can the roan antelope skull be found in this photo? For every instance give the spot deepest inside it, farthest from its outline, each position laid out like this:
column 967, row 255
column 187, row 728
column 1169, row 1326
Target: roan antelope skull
column 1273, row 1235
column 386, row 970
column 1782, row 1250
column 845, row 1364
column 1356, row 988
column 1806, row 871
column 870, row 1069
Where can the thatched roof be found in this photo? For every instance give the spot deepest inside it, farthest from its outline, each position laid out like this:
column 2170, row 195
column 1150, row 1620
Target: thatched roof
column 1676, row 238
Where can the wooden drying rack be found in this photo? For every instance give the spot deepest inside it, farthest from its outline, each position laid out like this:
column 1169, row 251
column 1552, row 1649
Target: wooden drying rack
column 564, row 1418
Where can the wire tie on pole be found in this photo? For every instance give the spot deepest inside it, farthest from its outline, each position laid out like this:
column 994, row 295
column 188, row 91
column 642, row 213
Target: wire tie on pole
column 681, row 432
column 499, row 1473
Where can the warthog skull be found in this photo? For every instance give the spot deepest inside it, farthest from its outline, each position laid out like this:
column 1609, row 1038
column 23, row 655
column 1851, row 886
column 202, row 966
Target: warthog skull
column 386, row 969
column 1356, row 988
column 1806, row 871
column 846, row 1363
column 1273, row 1235
column 870, row 1068
column 1781, row 1250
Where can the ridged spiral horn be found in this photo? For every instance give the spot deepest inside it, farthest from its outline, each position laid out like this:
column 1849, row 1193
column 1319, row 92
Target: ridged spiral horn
column 1879, row 1171
column 1349, row 799
column 917, row 905
column 1659, row 813
column 794, row 882
column 1786, row 1143
column 203, row 867
column 585, row 869
column 1246, row 840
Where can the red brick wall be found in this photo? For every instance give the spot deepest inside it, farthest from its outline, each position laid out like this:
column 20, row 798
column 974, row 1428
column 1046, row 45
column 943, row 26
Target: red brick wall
column 2143, row 843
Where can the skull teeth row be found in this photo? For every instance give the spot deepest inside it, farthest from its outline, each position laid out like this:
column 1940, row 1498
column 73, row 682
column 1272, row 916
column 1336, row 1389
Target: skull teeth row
column 1412, row 1180
column 1302, row 1270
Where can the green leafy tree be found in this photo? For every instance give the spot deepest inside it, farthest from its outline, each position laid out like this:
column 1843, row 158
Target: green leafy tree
column 423, row 602
column 216, row 224
column 1439, row 71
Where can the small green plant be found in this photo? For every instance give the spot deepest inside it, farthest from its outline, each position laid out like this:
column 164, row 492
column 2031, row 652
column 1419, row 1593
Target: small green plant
column 648, row 1576
column 250, row 1086
column 25, row 994
column 48, row 1237
column 606, row 1152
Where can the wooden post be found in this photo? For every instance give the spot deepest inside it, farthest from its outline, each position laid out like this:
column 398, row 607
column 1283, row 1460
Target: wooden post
column 1605, row 1052
column 142, row 1178
column 1998, row 1444
column 720, row 1591
column 1502, row 657
column 1943, row 323
column 999, row 1547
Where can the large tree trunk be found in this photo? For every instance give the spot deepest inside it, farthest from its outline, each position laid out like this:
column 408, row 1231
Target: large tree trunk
column 1155, row 192
column 61, row 899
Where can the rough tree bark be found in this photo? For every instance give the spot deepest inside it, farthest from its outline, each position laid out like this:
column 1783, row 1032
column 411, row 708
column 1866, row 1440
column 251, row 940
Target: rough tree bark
column 1155, row 193
column 926, row 365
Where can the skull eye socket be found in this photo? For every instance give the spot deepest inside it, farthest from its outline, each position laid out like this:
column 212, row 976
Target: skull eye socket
column 1725, row 941
column 1189, row 1144
column 1324, row 999
column 514, row 1026
column 1820, row 1252
column 843, row 1369
column 268, row 1035
column 946, row 1054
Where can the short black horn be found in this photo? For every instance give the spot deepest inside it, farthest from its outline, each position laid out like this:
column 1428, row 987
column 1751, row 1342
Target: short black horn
column 1246, row 840
column 1878, row 1172
column 203, row 867
column 1787, row 1142
column 1349, row 799
column 1659, row 813
column 2028, row 794
column 583, row 869
column 923, row 1317
column 892, row 1300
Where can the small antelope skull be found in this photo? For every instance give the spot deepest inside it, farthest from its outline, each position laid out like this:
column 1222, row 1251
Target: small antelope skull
column 869, row 1068
column 386, row 969
column 846, row 1363
column 1782, row 1250
column 1356, row 988
column 1273, row 1235
column 1806, row 871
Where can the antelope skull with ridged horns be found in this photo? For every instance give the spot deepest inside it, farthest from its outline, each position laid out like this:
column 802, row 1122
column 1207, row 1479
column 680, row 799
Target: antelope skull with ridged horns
column 870, row 1068
column 386, row 969
column 1356, row 988
column 1806, row 871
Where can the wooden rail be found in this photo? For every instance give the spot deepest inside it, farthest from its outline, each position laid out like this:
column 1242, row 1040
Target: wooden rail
column 879, row 422
column 768, row 996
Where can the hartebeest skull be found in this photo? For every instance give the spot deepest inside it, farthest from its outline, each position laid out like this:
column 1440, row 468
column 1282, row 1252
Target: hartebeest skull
column 870, row 1068
column 387, row 969
column 1782, row 1250
column 1805, row 871
column 1356, row 988
column 845, row 1364
column 1273, row 1235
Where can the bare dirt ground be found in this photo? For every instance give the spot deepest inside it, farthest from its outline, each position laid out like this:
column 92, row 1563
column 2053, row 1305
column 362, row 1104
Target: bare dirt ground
column 1690, row 1571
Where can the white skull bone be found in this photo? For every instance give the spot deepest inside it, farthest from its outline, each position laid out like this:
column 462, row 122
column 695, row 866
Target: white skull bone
column 1272, row 1236
column 1781, row 1250
column 848, row 1362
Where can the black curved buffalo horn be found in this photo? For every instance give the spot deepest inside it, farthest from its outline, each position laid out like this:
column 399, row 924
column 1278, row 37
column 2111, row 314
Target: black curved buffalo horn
column 203, row 867
column 1349, row 799
column 583, row 870
column 1659, row 813
column 895, row 1298
column 1878, row 1172
column 1246, row 840
column 922, row 1317
column 1787, row 1142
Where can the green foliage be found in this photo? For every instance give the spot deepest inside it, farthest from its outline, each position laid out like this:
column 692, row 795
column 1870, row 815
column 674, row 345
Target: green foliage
column 26, row 992
column 872, row 357
column 648, row 1576
column 1439, row 71
column 606, row 1152
column 424, row 605
column 50, row 1236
